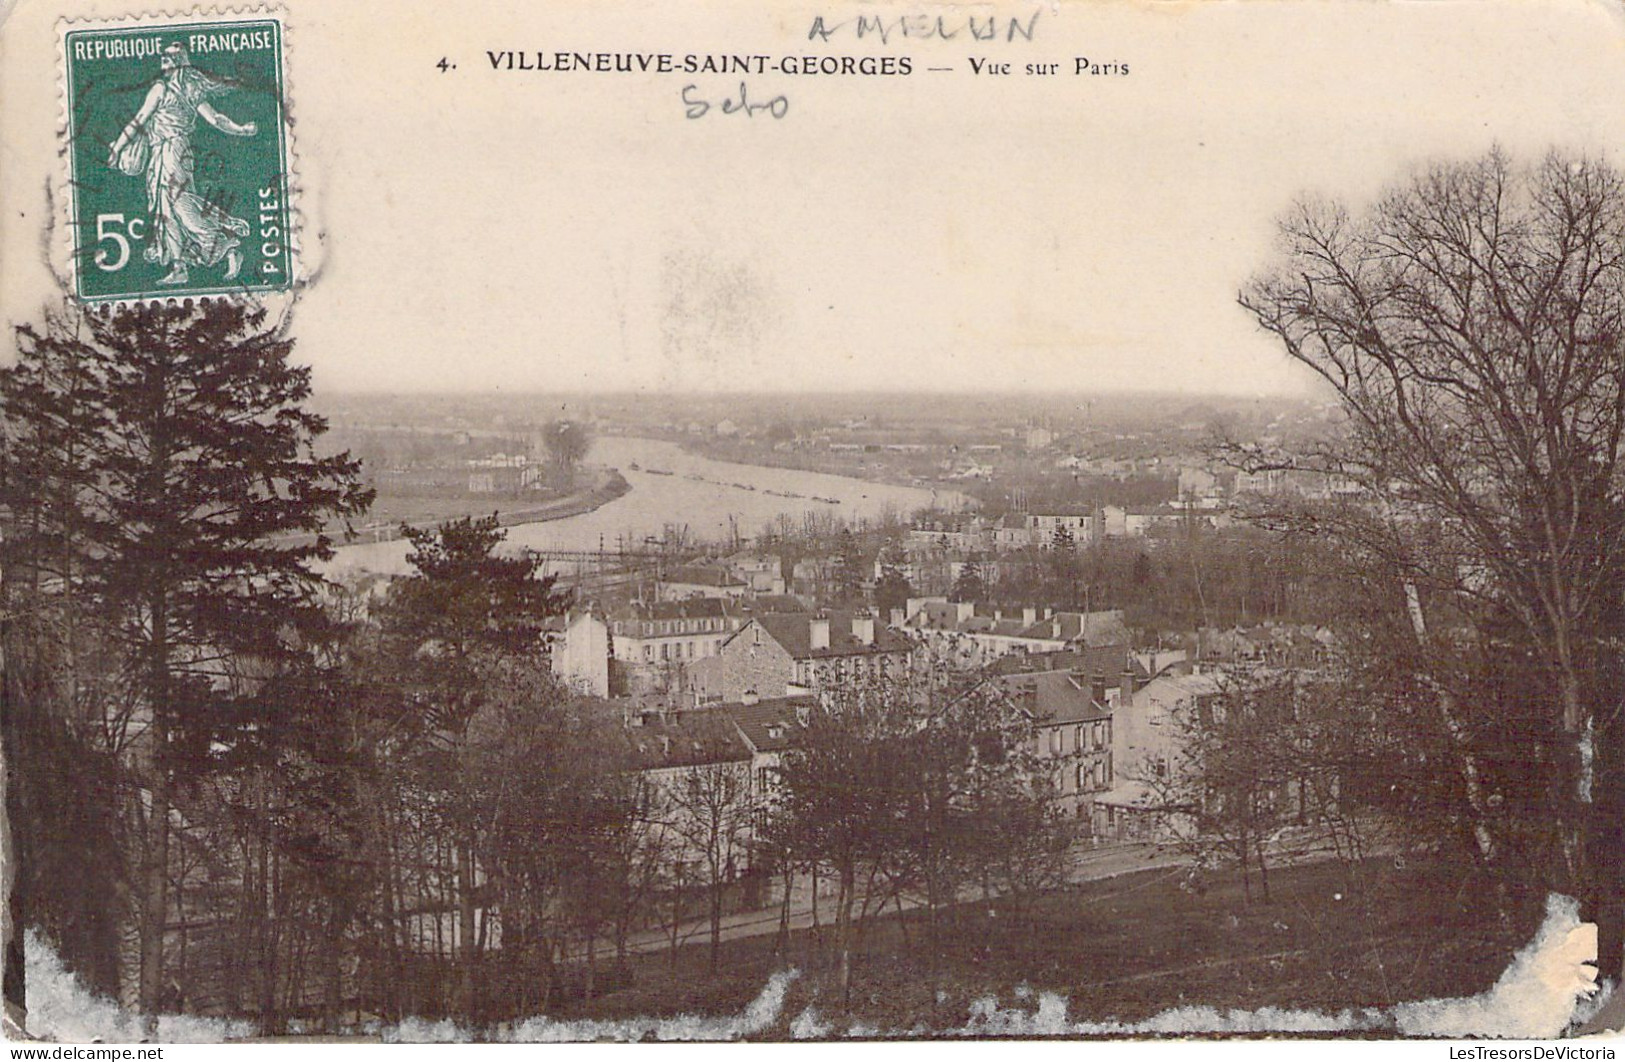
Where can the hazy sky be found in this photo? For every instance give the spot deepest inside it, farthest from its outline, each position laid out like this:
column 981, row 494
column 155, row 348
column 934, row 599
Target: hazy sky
column 473, row 230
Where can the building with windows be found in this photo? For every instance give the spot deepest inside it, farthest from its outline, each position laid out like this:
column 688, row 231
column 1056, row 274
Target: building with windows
column 1072, row 714
column 779, row 654
column 1041, row 528
column 976, row 635
column 769, row 727
column 652, row 644
column 1145, row 750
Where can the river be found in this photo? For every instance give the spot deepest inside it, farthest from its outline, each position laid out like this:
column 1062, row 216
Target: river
column 700, row 494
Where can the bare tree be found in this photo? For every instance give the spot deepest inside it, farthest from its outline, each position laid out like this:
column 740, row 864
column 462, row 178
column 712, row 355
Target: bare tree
column 842, row 799
column 1472, row 326
column 710, row 808
column 915, row 783
column 1223, row 791
column 641, row 850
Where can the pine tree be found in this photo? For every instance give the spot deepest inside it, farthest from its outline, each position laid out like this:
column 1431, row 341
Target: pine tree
column 450, row 630
column 893, row 589
column 969, row 586
column 1064, row 566
column 187, row 519
column 56, row 824
column 468, row 602
column 848, row 568
column 47, row 396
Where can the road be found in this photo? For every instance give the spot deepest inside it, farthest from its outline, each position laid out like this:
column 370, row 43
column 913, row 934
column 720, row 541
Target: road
column 1087, row 864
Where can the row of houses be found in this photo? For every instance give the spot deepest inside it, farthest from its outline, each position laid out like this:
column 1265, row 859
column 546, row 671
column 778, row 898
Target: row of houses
column 1077, row 742
column 1105, row 727
column 713, row 648
column 937, row 547
column 1099, row 717
column 709, row 649
column 1041, row 530
column 971, row 635
column 644, row 648
column 1102, row 713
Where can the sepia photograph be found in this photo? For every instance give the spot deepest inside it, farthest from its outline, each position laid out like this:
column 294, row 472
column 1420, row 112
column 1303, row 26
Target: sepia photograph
column 1091, row 520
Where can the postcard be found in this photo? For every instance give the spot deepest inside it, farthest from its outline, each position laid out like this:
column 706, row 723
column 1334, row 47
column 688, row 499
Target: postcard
column 813, row 521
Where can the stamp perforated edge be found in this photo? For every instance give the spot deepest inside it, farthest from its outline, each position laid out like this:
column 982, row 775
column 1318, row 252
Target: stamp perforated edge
column 62, row 249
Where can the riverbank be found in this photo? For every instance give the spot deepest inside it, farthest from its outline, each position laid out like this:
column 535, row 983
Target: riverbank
column 675, row 493
column 852, row 466
column 946, row 494
column 607, row 486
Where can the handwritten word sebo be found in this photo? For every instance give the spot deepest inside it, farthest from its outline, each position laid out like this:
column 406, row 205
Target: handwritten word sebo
column 696, row 107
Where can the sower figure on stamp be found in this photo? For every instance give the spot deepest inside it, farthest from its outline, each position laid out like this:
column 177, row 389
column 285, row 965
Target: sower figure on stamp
column 187, row 230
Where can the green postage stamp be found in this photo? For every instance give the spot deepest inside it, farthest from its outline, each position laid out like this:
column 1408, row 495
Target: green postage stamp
column 177, row 158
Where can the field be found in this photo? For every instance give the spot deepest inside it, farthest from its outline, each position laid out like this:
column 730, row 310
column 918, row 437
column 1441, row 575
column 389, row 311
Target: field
column 1125, row 949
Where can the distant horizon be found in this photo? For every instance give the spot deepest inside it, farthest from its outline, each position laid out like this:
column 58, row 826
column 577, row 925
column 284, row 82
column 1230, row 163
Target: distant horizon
column 834, row 392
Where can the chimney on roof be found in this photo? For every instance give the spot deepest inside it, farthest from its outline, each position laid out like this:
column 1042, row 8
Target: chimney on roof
column 818, row 632
column 1097, row 687
column 863, row 627
column 1048, row 612
column 1125, row 692
column 750, row 697
column 898, row 617
column 964, row 610
column 1029, row 616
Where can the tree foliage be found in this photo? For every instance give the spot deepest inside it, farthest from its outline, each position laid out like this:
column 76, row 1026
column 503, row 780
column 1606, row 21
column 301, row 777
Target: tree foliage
column 969, row 585
column 464, row 606
column 452, row 634
column 896, row 785
column 1472, row 326
column 567, row 848
column 892, row 589
column 181, row 514
column 567, row 443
